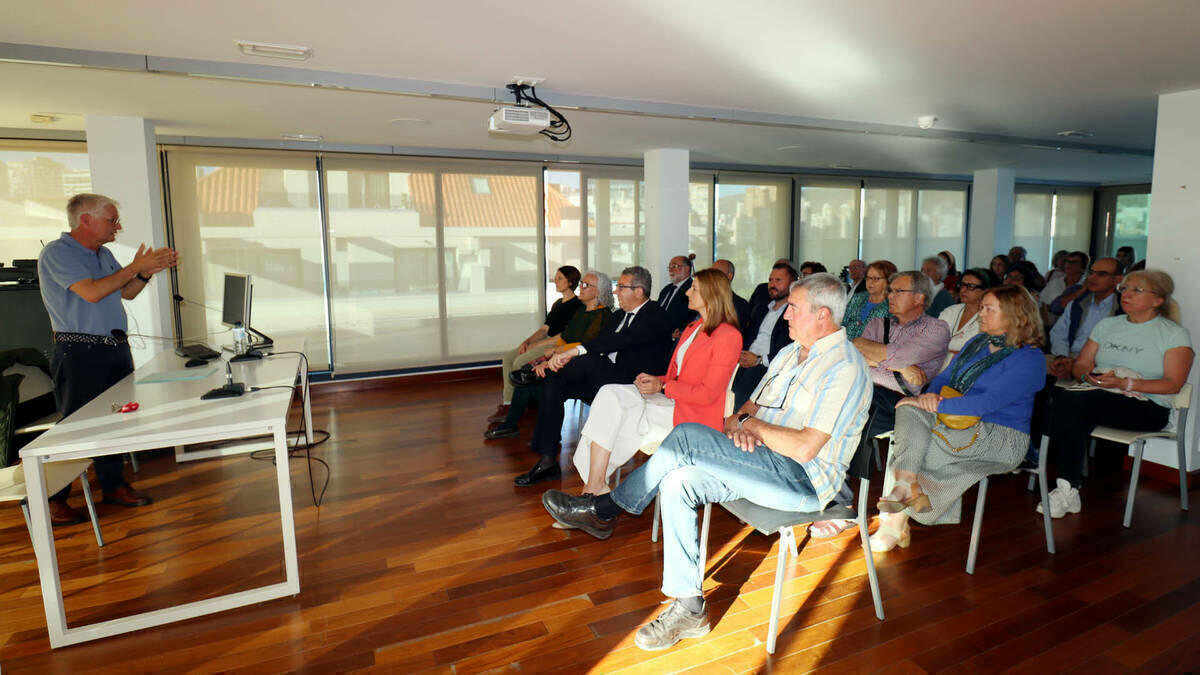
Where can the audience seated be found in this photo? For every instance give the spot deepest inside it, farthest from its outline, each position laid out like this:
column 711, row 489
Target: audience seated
column 740, row 304
column 861, row 308
column 999, row 267
column 788, row 449
column 624, row 417
column 595, row 291
column 1099, row 300
column 809, row 267
column 934, row 459
column 768, row 333
column 1126, row 255
column 566, row 280
column 1058, row 267
column 936, row 268
column 1016, row 254
column 963, row 319
column 1025, row 275
column 636, row 340
column 856, row 277
column 950, row 282
column 1135, row 365
column 673, row 296
column 1061, row 289
column 759, row 296
column 905, row 350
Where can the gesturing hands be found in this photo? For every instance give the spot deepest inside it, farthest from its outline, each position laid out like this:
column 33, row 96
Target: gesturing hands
column 148, row 261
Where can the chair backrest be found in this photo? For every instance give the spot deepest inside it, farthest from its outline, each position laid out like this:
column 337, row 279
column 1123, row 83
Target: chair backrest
column 1183, row 399
column 860, row 464
column 730, row 397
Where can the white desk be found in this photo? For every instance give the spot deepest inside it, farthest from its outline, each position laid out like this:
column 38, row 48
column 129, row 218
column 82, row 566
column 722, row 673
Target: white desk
column 170, row 414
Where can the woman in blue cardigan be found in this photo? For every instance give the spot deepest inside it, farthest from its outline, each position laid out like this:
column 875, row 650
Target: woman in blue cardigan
column 932, row 463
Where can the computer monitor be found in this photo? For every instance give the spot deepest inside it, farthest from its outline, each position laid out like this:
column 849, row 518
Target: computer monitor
column 236, row 306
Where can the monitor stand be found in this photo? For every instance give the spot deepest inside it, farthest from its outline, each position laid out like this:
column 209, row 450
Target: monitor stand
column 226, row 391
column 250, row 355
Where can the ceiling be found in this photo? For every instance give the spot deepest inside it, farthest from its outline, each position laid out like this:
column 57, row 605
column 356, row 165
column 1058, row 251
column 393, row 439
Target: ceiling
column 1002, row 78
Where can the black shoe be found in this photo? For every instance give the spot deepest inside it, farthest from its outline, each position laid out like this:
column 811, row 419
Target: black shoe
column 578, row 512
column 500, row 432
column 537, row 475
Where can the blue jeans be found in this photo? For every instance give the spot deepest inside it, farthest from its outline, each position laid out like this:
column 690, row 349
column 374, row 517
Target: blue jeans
column 698, row 465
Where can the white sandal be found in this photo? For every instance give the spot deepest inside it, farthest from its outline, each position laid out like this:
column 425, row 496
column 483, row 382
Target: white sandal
column 828, row 529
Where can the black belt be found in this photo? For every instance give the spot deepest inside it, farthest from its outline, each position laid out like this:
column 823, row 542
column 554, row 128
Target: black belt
column 117, row 338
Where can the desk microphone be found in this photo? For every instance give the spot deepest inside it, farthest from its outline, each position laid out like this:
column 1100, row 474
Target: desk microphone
column 230, row 389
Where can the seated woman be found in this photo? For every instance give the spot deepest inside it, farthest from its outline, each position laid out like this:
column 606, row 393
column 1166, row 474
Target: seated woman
column 1155, row 353
column 931, row 464
column 963, row 318
column 595, row 292
column 566, row 279
column 950, row 283
column 862, row 307
column 626, row 416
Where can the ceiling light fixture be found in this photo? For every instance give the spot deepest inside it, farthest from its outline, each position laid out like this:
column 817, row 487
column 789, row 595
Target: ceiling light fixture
column 1075, row 133
column 274, row 51
column 927, row 121
column 306, row 138
column 841, row 166
column 790, row 147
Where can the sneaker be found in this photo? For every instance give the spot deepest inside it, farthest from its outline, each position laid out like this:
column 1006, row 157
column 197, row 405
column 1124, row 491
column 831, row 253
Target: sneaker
column 1064, row 499
column 672, row 625
column 1027, row 464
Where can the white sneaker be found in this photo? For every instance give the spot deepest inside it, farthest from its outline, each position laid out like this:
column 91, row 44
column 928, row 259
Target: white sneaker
column 1064, row 499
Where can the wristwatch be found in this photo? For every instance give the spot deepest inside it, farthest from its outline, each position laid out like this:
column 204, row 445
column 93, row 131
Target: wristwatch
column 742, row 419
column 145, row 280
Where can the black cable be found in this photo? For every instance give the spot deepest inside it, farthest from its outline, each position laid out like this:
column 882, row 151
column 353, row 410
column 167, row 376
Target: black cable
column 560, row 128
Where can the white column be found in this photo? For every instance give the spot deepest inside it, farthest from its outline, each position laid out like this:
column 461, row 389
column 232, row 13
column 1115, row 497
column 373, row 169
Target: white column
column 124, row 166
column 992, row 206
column 1173, row 235
column 666, row 210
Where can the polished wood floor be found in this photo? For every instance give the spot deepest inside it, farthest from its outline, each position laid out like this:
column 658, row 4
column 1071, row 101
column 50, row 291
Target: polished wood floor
column 424, row 557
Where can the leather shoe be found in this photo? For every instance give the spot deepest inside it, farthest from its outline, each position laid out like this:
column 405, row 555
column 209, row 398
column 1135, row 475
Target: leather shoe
column 537, row 475
column 500, row 415
column 578, row 512
column 500, row 432
column 61, row 514
column 126, row 496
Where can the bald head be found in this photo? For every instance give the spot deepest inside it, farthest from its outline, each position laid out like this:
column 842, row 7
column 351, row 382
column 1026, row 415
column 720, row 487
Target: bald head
column 725, row 267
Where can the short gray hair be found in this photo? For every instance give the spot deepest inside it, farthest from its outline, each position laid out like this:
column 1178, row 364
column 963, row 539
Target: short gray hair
column 920, row 284
column 824, row 290
column 943, row 267
column 87, row 202
column 603, row 288
column 641, row 277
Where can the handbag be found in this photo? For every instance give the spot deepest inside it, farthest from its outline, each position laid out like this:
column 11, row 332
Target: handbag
column 956, row 422
column 524, row 377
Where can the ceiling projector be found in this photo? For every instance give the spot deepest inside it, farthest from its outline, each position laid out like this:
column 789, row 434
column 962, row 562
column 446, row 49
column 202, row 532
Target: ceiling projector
column 523, row 120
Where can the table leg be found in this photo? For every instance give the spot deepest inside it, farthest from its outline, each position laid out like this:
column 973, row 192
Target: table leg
column 284, row 478
column 43, row 548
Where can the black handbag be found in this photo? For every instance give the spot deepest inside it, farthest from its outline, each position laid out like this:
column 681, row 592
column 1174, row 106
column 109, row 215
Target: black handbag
column 525, row 377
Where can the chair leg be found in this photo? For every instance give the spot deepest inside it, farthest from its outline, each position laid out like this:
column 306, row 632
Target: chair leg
column 1083, row 470
column 787, row 540
column 704, row 538
column 1041, row 476
column 91, row 506
column 654, row 525
column 134, row 462
column 975, row 531
column 1183, row 481
column 1032, row 482
column 1137, row 448
column 872, row 578
column 878, row 454
column 25, row 512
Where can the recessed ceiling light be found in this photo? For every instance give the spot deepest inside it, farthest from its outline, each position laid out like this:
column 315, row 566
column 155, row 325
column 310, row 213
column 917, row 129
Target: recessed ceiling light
column 840, row 166
column 411, row 121
column 43, row 118
column 307, row 138
column 790, row 147
column 274, row 51
column 1075, row 133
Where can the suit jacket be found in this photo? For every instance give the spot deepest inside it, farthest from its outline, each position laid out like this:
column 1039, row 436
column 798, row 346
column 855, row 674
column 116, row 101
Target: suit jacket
column 642, row 347
column 779, row 335
column 678, row 314
column 860, row 287
column 698, row 388
column 759, row 296
column 742, row 307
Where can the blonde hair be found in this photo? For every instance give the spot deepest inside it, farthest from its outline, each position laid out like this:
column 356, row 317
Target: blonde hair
column 1021, row 313
column 1162, row 285
column 714, row 290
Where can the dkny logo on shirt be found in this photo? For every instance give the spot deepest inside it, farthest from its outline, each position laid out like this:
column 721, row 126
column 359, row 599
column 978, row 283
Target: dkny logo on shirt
column 1129, row 349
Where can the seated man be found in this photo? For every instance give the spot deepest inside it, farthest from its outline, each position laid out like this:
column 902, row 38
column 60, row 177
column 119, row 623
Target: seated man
column 636, row 340
column 788, row 449
column 673, row 296
column 1062, row 289
column 935, row 269
column 740, row 304
column 767, row 334
column 905, row 350
column 1099, row 301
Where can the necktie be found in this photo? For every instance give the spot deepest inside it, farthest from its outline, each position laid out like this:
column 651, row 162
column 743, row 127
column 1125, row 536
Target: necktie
column 625, row 323
column 670, row 294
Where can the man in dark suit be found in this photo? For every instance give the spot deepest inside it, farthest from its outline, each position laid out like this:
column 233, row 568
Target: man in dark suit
column 767, row 335
column 760, row 296
column 636, row 340
column 856, row 273
column 673, row 296
column 740, row 305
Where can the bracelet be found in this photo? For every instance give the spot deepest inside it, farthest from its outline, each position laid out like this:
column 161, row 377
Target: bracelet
column 145, row 280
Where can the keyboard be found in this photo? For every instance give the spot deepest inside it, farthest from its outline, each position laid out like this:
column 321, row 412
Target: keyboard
column 197, row 352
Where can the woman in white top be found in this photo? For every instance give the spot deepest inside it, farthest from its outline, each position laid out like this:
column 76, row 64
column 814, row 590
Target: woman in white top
column 963, row 318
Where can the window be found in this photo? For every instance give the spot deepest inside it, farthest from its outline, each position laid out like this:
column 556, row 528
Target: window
column 752, row 226
column 254, row 213
column 1046, row 220
column 36, row 179
column 1032, row 215
column 907, row 222
column 888, row 232
column 479, row 185
column 1131, row 226
column 614, row 223
column 941, row 223
column 700, row 202
column 828, row 229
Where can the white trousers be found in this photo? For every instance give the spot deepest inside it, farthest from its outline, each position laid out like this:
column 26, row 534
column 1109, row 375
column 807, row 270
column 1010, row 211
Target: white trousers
column 622, row 420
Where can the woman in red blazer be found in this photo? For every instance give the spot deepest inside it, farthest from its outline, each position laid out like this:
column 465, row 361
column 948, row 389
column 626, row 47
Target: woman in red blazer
column 624, row 417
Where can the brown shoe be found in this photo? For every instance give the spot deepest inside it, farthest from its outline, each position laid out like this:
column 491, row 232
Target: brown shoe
column 61, row 514
column 501, row 413
column 126, row 496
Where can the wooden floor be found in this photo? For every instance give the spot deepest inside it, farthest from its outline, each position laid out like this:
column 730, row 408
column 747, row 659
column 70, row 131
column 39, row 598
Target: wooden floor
column 424, row 557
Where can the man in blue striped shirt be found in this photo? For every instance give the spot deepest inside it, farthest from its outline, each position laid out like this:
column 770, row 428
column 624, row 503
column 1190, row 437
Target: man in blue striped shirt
column 787, row 448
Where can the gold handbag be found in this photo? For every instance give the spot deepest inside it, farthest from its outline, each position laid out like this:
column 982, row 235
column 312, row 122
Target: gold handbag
column 956, row 422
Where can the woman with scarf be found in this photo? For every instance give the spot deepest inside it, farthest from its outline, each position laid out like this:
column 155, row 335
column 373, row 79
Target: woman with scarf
column 973, row 422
